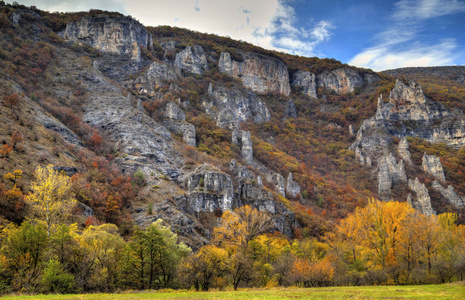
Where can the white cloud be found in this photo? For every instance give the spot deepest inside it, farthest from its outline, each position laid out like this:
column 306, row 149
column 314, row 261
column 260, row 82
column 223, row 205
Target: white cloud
column 383, row 58
column 322, row 31
column 397, row 46
column 425, row 9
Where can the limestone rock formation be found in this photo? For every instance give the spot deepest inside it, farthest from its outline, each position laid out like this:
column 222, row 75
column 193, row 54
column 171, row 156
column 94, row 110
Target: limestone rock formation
column 192, row 60
column 292, row 187
column 174, row 113
column 365, row 160
column 147, row 145
column 115, row 35
column 410, row 113
column 231, row 106
column 421, row 201
column 342, row 81
column 307, row 81
column 278, row 181
column 351, row 130
column 176, row 123
column 209, row 189
column 260, row 73
column 403, row 151
column 243, row 140
column 156, row 75
column 449, row 194
column 432, row 165
column 390, row 173
column 410, row 103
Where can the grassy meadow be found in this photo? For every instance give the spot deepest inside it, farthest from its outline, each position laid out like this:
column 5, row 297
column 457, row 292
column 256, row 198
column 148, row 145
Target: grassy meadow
column 440, row 291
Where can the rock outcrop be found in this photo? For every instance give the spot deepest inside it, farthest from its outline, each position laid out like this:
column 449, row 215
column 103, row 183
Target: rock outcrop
column 409, row 103
column 174, row 113
column 449, row 194
column 151, row 80
column 176, row 122
column 260, row 73
column 278, row 181
column 432, row 165
column 146, row 145
column 231, row 106
column 421, row 201
column 292, row 187
column 342, row 81
column 410, row 113
column 191, row 60
column 403, row 150
column 209, row 189
column 306, row 81
column 243, row 140
column 390, row 173
column 365, row 160
column 115, row 35
column 351, row 130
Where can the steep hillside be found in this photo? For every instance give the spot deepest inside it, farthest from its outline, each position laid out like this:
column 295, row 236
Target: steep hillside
column 173, row 124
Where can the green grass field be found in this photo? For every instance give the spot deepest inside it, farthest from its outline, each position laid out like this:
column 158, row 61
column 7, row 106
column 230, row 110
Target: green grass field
column 442, row 291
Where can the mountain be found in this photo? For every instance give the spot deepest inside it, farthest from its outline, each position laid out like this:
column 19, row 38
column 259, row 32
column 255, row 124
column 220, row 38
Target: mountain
column 169, row 123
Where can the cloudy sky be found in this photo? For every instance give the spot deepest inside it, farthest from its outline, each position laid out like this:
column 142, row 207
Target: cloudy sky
column 376, row 34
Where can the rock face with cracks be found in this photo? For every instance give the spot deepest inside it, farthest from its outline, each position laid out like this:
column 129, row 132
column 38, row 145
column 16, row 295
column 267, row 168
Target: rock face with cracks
column 115, row 35
column 432, row 165
column 192, row 60
column 232, row 106
column 421, row 200
column 260, row 73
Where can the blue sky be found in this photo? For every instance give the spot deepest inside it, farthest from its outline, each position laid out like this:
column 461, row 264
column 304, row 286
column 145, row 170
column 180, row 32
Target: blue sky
column 376, row 34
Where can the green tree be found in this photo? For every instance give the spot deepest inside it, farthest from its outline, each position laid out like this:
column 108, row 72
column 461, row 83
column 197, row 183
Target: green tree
column 55, row 280
column 24, row 248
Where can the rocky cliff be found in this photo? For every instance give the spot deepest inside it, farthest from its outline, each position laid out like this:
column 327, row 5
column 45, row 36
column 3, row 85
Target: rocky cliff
column 403, row 150
column 243, row 140
column 192, row 60
column 306, row 81
column 231, row 106
column 432, row 165
column 421, row 200
column 390, row 173
column 262, row 74
column 410, row 113
column 343, row 80
column 176, row 122
column 115, row 35
column 153, row 78
column 449, row 194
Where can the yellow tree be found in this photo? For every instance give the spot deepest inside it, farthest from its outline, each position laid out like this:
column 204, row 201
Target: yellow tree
column 208, row 263
column 241, row 226
column 50, row 198
column 268, row 247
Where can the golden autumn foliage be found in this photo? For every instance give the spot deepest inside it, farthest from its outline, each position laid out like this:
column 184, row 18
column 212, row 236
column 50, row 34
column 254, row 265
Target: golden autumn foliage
column 241, row 225
column 390, row 242
column 308, row 273
column 203, row 267
column 50, row 198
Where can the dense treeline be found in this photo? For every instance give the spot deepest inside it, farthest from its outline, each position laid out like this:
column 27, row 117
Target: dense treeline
column 382, row 243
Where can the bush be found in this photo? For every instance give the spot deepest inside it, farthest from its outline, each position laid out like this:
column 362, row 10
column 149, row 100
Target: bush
column 55, row 280
column 139, row 177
